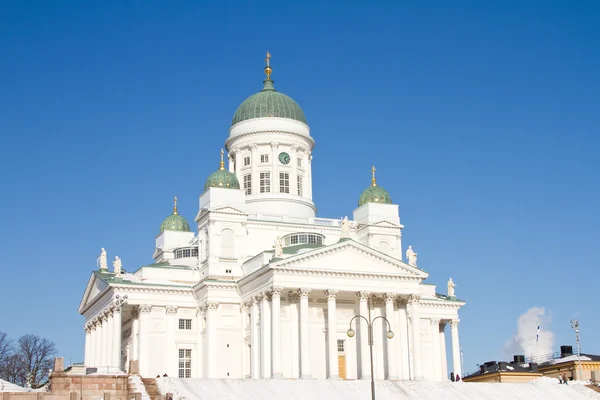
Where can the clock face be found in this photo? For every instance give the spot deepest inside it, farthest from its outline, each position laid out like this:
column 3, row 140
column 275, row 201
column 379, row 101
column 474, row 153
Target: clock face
column 284, row 158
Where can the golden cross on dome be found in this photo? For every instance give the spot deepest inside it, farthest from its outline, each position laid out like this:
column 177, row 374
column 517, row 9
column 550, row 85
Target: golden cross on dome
column 268, row 68
column 222, row 167
column 373, row 181
column 268, row 58
column 175, row 205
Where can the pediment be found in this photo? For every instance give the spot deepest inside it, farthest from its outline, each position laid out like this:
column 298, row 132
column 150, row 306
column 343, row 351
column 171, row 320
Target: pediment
column 386, row 224
column 95, row 288
column 351, row 257
column 228, row 210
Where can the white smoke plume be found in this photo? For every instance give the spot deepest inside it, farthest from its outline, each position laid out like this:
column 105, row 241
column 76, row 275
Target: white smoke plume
column 524, row 341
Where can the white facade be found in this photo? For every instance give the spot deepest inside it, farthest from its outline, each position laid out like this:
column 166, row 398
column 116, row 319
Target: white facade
column 225, row 302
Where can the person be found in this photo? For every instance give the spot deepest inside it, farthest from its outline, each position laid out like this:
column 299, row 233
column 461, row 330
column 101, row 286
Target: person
column 457, row 377
column 158, row 376
column 560, row 379
column 165, row 375
column 565, row 380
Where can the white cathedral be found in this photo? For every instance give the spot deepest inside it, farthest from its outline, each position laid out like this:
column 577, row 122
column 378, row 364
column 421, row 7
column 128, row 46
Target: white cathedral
column 265, row 289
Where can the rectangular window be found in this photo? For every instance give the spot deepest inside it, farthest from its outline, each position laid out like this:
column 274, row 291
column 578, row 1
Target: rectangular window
column 265, row 182
column 185, row 324
column 340, row 346
column 299, row 162
column 185, row 363
column 299, row 185
column 248, row 183
column 264, row 158
column 246, row 161
column 284, row 182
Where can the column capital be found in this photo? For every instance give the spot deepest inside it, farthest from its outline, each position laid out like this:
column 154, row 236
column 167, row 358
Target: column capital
column 212, row 305
column 363, row 296
column 145, row 308
column 135, row 312
column 274, row 146
column 443, row 324
column 390, row 297
column 87, row 327
column 276, row 291
column 253, row 147
column 263, row 296
column 304, row 292
column 171, row 310
column 331, row 294
column 401, row 301
column 119, row 302
column 435, row 321
column 244, row 307
column 454, row 322
column 200, row 309
column 414, row 298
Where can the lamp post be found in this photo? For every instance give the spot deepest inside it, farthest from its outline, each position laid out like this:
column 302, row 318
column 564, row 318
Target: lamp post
column 575, row 326
column 390, row 335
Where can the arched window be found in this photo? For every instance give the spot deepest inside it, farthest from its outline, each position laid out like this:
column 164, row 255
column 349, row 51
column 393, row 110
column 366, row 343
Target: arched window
column 385, row 248
column 227, row 244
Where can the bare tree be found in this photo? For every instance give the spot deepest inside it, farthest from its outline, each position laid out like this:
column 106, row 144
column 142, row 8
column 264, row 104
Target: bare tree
column 12, row 370
column 36, row 357
column 6, row 348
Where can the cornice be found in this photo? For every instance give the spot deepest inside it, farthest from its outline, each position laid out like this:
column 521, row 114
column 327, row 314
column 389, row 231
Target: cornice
column 231, row 140
column 440, row 304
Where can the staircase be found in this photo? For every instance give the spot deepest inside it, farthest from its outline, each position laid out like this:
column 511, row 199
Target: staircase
column 151, row 388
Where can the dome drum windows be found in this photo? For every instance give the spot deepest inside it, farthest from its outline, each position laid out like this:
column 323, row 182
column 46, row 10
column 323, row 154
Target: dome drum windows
column 284, row 182
column 265, row 182
column 248, row 184
column 186, row 252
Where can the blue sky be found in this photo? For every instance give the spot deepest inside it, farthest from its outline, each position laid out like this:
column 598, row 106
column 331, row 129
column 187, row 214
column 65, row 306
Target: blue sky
column 481, row 118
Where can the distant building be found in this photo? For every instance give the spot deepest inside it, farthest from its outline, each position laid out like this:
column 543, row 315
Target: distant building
column 563, row 363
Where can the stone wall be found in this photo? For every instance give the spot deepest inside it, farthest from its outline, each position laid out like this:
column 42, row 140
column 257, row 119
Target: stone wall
column 90, row 387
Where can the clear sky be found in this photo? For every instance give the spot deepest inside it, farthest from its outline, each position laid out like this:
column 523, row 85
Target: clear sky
column 481, row 118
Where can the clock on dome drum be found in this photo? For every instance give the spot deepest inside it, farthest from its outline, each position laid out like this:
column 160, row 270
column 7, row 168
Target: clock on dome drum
column 284, row 158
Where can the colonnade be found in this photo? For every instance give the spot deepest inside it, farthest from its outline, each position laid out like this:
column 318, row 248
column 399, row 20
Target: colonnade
column 103, row 337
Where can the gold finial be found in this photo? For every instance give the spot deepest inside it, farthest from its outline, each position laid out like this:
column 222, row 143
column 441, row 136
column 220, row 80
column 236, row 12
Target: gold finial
column 373, row 180
column 175, row 205
column 268, row 68
column 222, row 167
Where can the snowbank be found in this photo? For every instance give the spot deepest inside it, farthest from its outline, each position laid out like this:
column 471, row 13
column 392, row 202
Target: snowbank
column 138, row 386
column 231, row 389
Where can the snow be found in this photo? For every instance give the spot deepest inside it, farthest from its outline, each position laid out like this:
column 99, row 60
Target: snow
column 569, row 358
column 138, row 386
column 260, row 389
column 6, row 386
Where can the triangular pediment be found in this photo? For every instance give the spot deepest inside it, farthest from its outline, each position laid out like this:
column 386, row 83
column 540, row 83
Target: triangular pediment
column 386, row 224
column 351, row 257
column 94, row 288
column 228, row 210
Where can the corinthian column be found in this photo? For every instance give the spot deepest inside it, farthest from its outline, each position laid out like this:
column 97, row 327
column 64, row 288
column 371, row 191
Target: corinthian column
column 455, row 347
column 254, row 339
column 108, row 338
column 265, row 330
column 332, row 334
column 392, row 357
column 144, row 339
column 119, row 303
column 274, row 174
column 172, row 356
column 364, row 335
column 416, row 325
column 211, row 338
column 276, row 339
column 435, row 334
column 88, row 340
column 304, row 332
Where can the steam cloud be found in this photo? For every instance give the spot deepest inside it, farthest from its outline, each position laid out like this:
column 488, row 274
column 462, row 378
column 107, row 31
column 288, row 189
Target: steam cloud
column 524, row 341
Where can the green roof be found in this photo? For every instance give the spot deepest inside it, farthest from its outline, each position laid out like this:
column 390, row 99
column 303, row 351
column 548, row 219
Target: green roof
column 374, row 194
column 268, row 103
column 222, row 178
column 175, row 222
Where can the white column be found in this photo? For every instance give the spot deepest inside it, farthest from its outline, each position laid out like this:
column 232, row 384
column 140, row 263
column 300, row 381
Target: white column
column 88, row 339
column 92, row 361
column 276, row 326
column 265, row 336
column 416, row 334
column 135, row 334
column 391, row 356
column 144, row 348
column 455, row 348
column 212, row 339
column 255, row 340
column 294, row 172
column 404, row 352
column 171, row 347
column 199, row 373
column 107, row 348
column 294, row 297
column 243, row 319
column 309, row 175
column 274, row 174
column 99, row 341
column 116, row 337
column 332, row 334
column 444, row 360
column 305, row 372
column 254, row 160
column 365, row 360
column 435, row 335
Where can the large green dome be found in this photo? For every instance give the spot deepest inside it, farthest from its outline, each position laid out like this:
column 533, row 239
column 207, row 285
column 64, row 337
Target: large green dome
column 268, row 103
column 175, row 222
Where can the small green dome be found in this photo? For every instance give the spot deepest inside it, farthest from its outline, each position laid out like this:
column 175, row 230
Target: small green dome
column 268, row 103
column 174, row 222
column 222, row 178
column 375, row 194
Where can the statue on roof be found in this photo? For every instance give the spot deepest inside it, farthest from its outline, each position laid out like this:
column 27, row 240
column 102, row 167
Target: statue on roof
column 101, row 261
column 278, row 246
column 411, row 256
column 117, row 266
column 451, row 286
column 345, row 224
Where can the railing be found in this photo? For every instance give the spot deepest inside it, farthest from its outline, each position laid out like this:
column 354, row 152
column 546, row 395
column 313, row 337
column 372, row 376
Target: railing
column 315, row 221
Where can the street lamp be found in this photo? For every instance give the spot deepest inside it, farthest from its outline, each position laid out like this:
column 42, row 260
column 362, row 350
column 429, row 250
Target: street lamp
column 575, row 326
column 389, row 335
